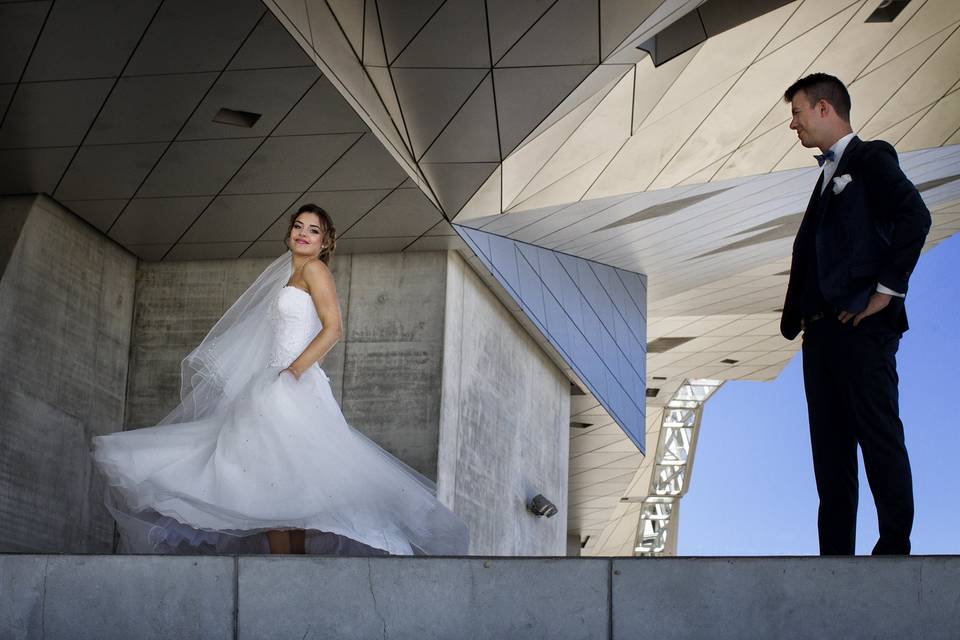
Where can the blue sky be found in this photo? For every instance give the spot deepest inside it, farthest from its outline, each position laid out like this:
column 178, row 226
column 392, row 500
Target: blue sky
column 752, row 490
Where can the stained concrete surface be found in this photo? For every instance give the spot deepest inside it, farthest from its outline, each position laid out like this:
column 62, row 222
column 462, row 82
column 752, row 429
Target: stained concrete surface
column 177, row 303
column 788, row 598
column 253, row 597
column 394, row 353
column 116, row 597
column 504, row 434
column 66, row 302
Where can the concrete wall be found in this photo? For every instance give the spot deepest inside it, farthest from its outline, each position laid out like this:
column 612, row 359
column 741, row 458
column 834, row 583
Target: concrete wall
column 74, row 598
column 385, row 371
column 504, row 430
column 417, row 325
column 176, row 305
column 430, row 361
column 394, row 353
column 66, row 302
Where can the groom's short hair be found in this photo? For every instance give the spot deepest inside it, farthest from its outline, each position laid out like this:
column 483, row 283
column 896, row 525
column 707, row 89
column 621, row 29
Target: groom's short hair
column 822, row 86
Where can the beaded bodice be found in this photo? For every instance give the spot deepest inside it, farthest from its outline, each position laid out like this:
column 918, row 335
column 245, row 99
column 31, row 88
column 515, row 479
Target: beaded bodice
column 295, row 324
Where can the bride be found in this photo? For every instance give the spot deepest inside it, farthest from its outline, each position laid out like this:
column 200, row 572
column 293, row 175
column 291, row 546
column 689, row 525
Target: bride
column 258, row 455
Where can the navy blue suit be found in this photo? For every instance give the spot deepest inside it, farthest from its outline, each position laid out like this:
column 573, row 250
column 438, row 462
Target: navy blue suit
column 869, row 233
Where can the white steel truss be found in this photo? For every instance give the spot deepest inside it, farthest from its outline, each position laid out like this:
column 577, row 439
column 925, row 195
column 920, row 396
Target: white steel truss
column 672, row 466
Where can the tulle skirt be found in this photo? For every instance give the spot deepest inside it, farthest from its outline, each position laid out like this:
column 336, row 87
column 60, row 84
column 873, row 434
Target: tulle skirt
column 277, row 456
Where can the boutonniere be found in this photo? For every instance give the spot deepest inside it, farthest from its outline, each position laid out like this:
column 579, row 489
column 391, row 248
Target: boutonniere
column 840, row 183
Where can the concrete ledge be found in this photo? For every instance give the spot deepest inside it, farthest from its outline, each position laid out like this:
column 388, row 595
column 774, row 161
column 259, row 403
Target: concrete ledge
column 255, row 597
column 787, row 597
column 422, row 598
column 106, row 597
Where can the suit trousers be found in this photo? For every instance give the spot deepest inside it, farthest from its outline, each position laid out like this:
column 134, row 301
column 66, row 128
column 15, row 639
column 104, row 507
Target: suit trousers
column 850, row 378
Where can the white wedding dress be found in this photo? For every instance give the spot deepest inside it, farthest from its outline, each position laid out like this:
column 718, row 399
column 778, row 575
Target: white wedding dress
column 275, row 454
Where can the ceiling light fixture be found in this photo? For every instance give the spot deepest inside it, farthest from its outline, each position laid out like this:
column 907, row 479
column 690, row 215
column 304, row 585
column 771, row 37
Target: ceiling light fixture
column 661, row 345
column 236, row 118
column 887, row 10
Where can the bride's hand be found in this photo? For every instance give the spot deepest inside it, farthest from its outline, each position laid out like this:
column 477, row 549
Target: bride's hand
column 292, row 372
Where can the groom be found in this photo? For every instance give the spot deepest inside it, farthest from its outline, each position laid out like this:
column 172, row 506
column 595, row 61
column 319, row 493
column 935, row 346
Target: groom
column 859, row 241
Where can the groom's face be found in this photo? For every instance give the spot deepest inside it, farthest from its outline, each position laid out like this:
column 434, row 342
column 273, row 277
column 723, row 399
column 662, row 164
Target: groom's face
column 807, row 119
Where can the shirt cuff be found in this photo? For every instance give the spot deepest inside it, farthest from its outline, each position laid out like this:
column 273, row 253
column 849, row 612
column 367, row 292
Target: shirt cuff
column 889, row 291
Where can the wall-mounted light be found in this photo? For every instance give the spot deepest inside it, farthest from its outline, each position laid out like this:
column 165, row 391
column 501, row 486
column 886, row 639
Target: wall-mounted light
column 540, row 506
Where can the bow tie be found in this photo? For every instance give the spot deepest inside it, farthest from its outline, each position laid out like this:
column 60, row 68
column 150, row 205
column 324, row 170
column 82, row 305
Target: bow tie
column 827, row 155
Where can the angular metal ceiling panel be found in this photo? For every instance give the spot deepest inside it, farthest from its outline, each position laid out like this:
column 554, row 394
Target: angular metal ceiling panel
column 566, row 22
column 53, row 114
column 525, row 95
column 430, row 98
column 192, row 36
column 89, row 39
column 289, row 163
column 134, row 114
column 586, row 313
column 456, row 34
column 20, row 23
column 467, row 137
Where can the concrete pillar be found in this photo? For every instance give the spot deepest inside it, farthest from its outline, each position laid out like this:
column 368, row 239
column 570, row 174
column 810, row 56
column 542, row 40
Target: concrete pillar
column 66, row 303
column 504, row 429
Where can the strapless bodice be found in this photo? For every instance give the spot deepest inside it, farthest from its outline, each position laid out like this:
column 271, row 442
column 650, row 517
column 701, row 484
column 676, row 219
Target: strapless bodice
column 295, row 324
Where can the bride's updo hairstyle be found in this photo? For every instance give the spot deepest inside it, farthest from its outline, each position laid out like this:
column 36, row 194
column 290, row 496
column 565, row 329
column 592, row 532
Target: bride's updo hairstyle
column 329, row 232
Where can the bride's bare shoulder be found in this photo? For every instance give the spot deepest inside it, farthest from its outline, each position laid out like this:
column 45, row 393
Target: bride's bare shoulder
column 317, row 274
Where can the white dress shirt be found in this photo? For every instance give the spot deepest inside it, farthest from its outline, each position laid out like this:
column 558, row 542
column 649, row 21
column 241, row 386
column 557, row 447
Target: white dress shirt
column 829, row 168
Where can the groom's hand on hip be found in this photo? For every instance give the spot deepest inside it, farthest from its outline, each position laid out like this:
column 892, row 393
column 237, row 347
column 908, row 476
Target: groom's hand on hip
column 878, row 302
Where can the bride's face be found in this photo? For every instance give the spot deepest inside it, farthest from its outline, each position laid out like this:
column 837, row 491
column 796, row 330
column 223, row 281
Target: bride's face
column 306, row 236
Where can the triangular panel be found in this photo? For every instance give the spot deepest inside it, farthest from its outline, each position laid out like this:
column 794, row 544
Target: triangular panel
column 456, row 182
column 457, row 35
column 431, row 97
column 472, row 134
column 509, row 20
column 620, row 18
column 567, row 34
column 402, row 20
column 587, row 311
column 349, row 14
column 380, row 76
column 525, row 96
column 372, row 45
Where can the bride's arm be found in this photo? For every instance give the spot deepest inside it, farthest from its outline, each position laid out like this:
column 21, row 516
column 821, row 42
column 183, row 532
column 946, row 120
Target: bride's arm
column 324, row 293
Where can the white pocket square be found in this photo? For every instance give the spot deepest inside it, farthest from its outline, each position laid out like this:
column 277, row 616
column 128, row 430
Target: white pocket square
column 840, row 183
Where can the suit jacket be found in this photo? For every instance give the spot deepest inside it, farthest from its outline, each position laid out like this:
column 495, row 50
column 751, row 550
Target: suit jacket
column 871, row 232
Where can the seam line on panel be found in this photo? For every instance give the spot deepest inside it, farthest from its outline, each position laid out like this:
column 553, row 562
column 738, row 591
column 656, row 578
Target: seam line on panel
column 412, row 38
column 716, row 104
column 182, row 126
column 610, row 599
column 106, row 98
column 613, row 85
column 253, row 152
column 301, row 194
column 23, row 72
column 236, row 597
